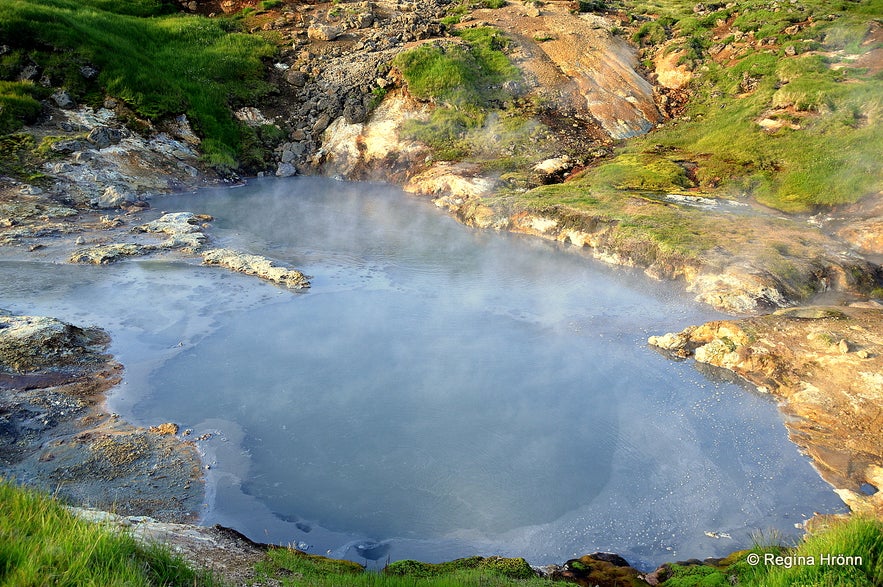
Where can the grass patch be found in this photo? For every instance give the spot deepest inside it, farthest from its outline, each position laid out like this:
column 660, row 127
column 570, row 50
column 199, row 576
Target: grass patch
column 19, row 157
column 642, row 171
column 645, row 229
column 19, row 105
column 157, row 63
column 41, row 543
column 296, row 568
column 465, row 81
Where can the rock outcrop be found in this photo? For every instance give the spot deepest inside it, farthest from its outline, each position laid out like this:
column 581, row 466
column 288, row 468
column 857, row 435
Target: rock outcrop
column 256, row 265
column 825, row 364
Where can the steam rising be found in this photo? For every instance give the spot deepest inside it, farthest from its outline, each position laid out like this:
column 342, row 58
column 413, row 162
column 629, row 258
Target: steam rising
column 444, row 392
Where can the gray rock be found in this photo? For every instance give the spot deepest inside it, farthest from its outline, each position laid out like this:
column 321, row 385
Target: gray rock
column 69, row 146
column 322, row 32
column 355, row 113
column 103, row 137
column 38, row 343
column 255, row 265
column 114, row 197
column 29, row 73
column 30, row 190
column 105, row 254
column 321, row 124
column 89, row 72
column 286, row 170
column 63, row 100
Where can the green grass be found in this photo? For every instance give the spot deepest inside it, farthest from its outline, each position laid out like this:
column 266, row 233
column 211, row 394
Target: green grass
column 646, row 230
column 831, row 155
column 465, row 81
column 41, row 543
column 19, row 105
column 297, row 568
column 804, row 564
column 159, row 64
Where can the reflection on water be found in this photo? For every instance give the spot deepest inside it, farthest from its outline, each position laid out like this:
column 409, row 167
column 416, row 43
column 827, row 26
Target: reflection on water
column 439, row 391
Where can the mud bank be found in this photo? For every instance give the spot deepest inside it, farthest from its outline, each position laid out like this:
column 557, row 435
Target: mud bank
column 56, row 435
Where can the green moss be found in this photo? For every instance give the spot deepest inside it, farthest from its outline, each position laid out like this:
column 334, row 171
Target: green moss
column 642, row 171
column 19, row 158
column 513, row 568
column 464, row 80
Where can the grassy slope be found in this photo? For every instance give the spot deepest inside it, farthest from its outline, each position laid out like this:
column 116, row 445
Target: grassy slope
column 466, row 81
column 717, row 148
column 41, row 543
column 801, row 75
column 158, row 63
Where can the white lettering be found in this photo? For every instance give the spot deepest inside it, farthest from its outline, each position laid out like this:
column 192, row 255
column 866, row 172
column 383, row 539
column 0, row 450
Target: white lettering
column 840, row 560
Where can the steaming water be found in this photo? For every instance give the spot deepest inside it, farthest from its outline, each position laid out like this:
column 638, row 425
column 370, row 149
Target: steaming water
column 439, row 392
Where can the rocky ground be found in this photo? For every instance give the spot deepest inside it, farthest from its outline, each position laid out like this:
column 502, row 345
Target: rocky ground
column 55, row 434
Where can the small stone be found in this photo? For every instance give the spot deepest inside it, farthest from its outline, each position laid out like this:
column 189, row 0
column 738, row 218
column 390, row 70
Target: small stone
column 89, row 72
column 30, row 190
column 843, row 346
column 113, row 197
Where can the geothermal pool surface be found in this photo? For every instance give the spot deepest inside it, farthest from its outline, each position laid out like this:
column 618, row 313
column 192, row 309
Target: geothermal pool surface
column 438, row 392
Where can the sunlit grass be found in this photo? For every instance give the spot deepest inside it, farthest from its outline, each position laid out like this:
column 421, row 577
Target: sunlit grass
column 158, row 64
column 41, row 543
column 825, row 153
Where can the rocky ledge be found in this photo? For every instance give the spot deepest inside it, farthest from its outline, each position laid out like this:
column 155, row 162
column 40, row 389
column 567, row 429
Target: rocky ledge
column 56, row 435
column 825, row 364
column 256, row 265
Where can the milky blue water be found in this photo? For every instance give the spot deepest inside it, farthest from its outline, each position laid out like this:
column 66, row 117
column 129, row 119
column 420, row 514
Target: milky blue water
column 438, row 392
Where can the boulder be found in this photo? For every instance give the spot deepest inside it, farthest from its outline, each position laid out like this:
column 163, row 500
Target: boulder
column 114, row 197
column 295, row 77
column 552, row 170
column 322, row 32
column 104, row 136
column 184, row 230
column 286, row 170
column 106, row 254
column 68, row 146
